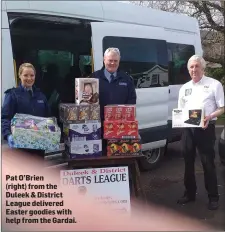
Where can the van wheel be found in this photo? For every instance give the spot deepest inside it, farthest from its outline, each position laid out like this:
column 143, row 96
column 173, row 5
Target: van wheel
column 151, row 159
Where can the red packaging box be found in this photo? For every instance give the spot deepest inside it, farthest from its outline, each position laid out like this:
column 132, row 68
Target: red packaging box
column 109, row 113
column 120, row 112
column 120, row 129
column 109, row 129
column 129, row 112
column 132, row 128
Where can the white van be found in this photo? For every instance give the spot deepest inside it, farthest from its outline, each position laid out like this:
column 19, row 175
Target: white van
column 62, row 35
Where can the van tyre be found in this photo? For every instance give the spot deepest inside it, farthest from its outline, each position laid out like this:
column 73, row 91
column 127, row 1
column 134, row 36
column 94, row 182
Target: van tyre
column 152, row 159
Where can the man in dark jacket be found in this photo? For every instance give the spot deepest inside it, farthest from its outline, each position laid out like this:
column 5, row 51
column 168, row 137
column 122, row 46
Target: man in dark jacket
column 115, row 86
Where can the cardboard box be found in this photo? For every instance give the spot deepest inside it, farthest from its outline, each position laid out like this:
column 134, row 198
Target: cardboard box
column 68, row 112
column 87, row 91
column 35, row 132
column 84, row 149
column 120, row 129
column 82, row 132
column 120, row 147
column 120, row 112
column 83, row 113
column 182, row 118
column 72, row 113
column 94, row 113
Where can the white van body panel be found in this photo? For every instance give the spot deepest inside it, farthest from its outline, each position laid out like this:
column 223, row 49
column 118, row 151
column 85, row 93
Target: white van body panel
column 79, row 9
column 133, row 14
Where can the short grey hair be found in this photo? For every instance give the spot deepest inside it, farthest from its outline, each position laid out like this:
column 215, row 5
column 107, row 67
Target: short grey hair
column 198, row 59
column 112, row 50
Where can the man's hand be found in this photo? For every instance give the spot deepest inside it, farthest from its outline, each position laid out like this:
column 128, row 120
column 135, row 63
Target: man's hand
column 206, row 121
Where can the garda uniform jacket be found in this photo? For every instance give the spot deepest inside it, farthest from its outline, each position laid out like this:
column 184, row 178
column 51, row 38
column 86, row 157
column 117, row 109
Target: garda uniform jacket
column 18, row 100
column 120, row 91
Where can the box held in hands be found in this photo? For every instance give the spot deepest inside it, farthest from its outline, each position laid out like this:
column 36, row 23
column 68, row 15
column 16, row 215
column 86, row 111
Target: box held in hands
column 182, row 118
column 33, row 132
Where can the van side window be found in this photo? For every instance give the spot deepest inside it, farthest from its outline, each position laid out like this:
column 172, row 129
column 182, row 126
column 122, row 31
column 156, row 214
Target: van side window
column 146, row 60
column 179, row 55
column 58, row 49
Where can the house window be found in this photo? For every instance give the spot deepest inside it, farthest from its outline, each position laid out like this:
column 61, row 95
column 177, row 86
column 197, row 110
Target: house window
column 140, row 58
column 155, row 79
column 179, row 55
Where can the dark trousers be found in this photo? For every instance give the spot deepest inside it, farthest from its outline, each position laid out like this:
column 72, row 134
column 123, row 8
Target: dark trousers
column 204, row 141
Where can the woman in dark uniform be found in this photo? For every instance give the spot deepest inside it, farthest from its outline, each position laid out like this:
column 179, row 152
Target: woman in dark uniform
column 25, row 99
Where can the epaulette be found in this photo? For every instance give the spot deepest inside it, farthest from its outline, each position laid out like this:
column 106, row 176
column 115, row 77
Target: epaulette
column 129, row 76
column 9, row 90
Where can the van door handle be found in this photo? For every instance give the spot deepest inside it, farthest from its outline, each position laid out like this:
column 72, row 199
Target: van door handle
column 169, row 90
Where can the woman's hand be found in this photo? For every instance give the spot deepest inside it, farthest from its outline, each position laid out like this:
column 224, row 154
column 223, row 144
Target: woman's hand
column 10, row 141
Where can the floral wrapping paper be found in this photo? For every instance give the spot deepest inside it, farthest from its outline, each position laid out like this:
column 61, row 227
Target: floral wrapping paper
column 39, row 138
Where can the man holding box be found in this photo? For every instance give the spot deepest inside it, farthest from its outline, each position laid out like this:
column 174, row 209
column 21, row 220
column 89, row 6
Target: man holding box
column 207, row 93
column 115, row 86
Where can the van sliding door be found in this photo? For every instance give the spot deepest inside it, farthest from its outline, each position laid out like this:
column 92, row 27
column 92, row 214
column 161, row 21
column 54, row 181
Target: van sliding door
column 144, row 56
column 8, row 75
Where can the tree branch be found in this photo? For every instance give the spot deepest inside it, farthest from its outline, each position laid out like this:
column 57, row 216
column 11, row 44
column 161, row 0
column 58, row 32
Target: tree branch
column 215, row 6
column 204, row 9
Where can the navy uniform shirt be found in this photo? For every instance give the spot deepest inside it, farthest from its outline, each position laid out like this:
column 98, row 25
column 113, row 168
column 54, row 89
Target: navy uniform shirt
column 120, row 90
column 19, row 100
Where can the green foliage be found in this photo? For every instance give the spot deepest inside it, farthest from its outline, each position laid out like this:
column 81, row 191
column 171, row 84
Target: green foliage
column 217, row 73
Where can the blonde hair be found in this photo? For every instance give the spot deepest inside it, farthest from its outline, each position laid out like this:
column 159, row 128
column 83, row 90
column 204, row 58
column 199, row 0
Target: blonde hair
column 25, row 65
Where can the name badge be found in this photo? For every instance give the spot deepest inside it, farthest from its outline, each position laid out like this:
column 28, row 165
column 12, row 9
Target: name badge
column 206, row 88
column 123, row 83
column 40, row 101
column 188, row 92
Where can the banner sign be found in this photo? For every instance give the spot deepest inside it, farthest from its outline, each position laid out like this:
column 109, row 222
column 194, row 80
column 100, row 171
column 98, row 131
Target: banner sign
column 108, row 185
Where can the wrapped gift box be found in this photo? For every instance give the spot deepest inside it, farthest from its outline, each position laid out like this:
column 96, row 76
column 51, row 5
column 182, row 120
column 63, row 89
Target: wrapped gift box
column 35, row 132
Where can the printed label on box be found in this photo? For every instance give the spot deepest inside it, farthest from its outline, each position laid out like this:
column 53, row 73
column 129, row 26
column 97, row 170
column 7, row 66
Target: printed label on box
column 84, row 149
column 82, row 132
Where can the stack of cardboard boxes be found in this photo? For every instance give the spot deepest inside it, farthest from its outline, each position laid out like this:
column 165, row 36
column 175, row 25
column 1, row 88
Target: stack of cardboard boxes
column 121, row 130
column 81, row 121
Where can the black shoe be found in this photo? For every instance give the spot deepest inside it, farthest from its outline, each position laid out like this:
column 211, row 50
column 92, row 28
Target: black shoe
column 213, row 205
column 185, row 199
